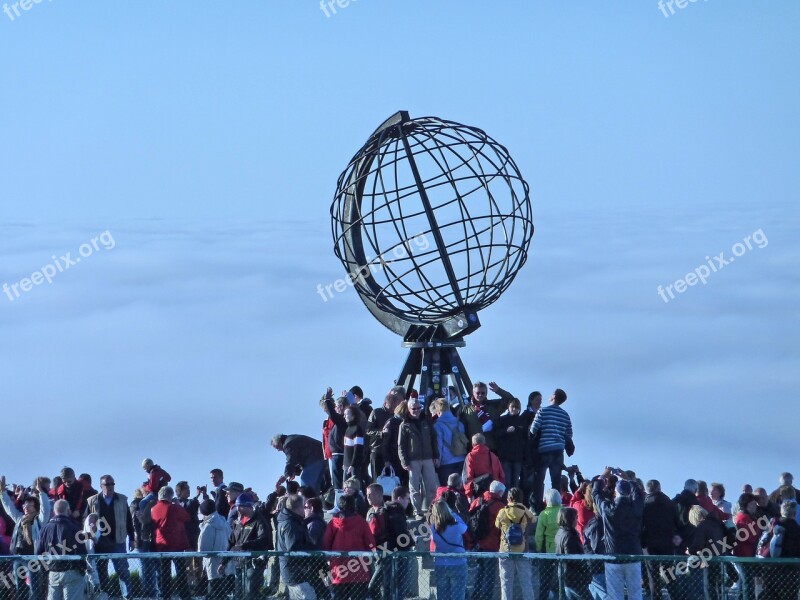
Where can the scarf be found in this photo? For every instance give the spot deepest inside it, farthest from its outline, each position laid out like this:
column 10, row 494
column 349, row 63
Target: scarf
column 26, row 528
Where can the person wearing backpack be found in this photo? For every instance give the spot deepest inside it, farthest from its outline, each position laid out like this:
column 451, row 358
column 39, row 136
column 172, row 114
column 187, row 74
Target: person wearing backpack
column 390, row 528
column 513, row 521
column 482, row 467
column 452, row 439
column 486, row 536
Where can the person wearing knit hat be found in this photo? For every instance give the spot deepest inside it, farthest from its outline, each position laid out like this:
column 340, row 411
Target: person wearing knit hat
column 622, row 525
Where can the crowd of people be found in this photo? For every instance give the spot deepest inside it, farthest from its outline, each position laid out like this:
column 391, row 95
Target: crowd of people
column 455, row 477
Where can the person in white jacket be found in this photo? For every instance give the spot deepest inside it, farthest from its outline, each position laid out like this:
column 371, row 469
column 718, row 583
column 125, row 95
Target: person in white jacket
column 214, row 535
column 28, row 522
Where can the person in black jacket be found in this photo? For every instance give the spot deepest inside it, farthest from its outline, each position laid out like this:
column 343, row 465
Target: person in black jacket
column 375, row 423
column 660, row 525
column 389, row 439
column 707, row 541
column 622, row 525
column 293, row 537
column 252, row 532
column 355, row 453
column 58, row 538
column 303, row 453
column 511, row 434
column 577, row 574
column 335, row 411
column 684, row 503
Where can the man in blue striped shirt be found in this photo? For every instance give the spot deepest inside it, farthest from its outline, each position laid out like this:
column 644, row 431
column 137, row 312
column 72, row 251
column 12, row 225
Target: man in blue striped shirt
column 553, row 428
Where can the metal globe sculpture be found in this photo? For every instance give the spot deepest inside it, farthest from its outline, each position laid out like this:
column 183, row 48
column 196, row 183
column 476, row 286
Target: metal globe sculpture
column 432, row 221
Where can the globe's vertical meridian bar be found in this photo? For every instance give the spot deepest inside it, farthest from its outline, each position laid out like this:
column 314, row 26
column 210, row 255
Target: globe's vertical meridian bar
column 437, row 235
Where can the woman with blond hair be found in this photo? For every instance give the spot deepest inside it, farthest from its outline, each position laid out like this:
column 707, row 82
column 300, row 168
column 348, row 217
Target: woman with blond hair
column 447, row 538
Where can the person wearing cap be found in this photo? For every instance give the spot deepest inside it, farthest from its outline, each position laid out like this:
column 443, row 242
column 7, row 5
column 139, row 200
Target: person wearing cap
column 553, row 428
column 252, row 532
column 303, row 452
column 622, row 524
column 214, row 536
column 232, row 492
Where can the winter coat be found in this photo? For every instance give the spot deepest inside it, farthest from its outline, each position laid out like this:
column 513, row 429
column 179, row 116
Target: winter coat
column 355, row 454
column 480, row 461
column 585, row 514
column 707, row 536
column 576, row 575
column 389, row 445
column 156, row 479
column 593, row 538
column 748, row 541
column 316, row 529
column 790, row 547
column 348, row 534
column 16, row 515
column 336, row 429
column 292, row 537
column 253, row 536
column 417, row 441
column 683, row 504
column 214, row 536
column 300, row 450
column 470, row 415
column 169, row 521
column 511, row 446
column 445, row 426
column 75, row 495
column 546, row 529
column 450, row 541
column 514, row 513
column 491, row 543
column 59, row 537
column 375, row 424
column 622, row 519
column 660, row 523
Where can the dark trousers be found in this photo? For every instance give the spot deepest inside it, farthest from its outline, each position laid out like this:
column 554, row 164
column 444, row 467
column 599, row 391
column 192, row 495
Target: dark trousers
column 554, row 463
column 658, row 577
column 350, row 591
column 513, row 471
column 337, row 471
column 165, row 582
column 218, row 588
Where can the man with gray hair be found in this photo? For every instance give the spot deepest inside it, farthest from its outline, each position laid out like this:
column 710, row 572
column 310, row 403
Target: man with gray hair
column 784, row 480
column 62, row 537
column 113, row 509
column 684, row 503
column 304, row 457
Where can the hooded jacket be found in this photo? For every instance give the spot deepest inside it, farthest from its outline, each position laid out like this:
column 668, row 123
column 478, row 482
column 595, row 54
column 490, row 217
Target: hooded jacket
column 253, row 536
column 622, row 519
column 547, row 528
column 214, row 535
column 348, row 533
column 514, row 513
column 292, row 537
column 491, row 543
column 169, row 521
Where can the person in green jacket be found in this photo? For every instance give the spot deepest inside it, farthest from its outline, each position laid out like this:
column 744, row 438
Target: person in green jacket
column 546, row 530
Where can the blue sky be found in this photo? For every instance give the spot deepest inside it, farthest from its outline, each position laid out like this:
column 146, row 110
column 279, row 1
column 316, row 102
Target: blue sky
column 207, row 139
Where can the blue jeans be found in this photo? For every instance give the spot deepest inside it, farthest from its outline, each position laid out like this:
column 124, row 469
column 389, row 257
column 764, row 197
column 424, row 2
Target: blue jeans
column 313, row 475
column 149, row 572
column 451, row 582
column 120, row 566
column 513, row 471
column 336, row 463
column 548, row 461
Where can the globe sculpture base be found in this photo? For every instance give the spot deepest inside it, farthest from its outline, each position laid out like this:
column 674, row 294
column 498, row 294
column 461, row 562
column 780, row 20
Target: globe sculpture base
column 438, row 366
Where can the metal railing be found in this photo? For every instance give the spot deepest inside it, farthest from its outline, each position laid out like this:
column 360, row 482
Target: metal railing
column 400, row 576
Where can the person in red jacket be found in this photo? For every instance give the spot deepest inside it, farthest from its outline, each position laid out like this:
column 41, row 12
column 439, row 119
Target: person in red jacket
column 486, row 576
column 73, row 491
column 348, row 532
column 169, row 525
column 482, row 463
